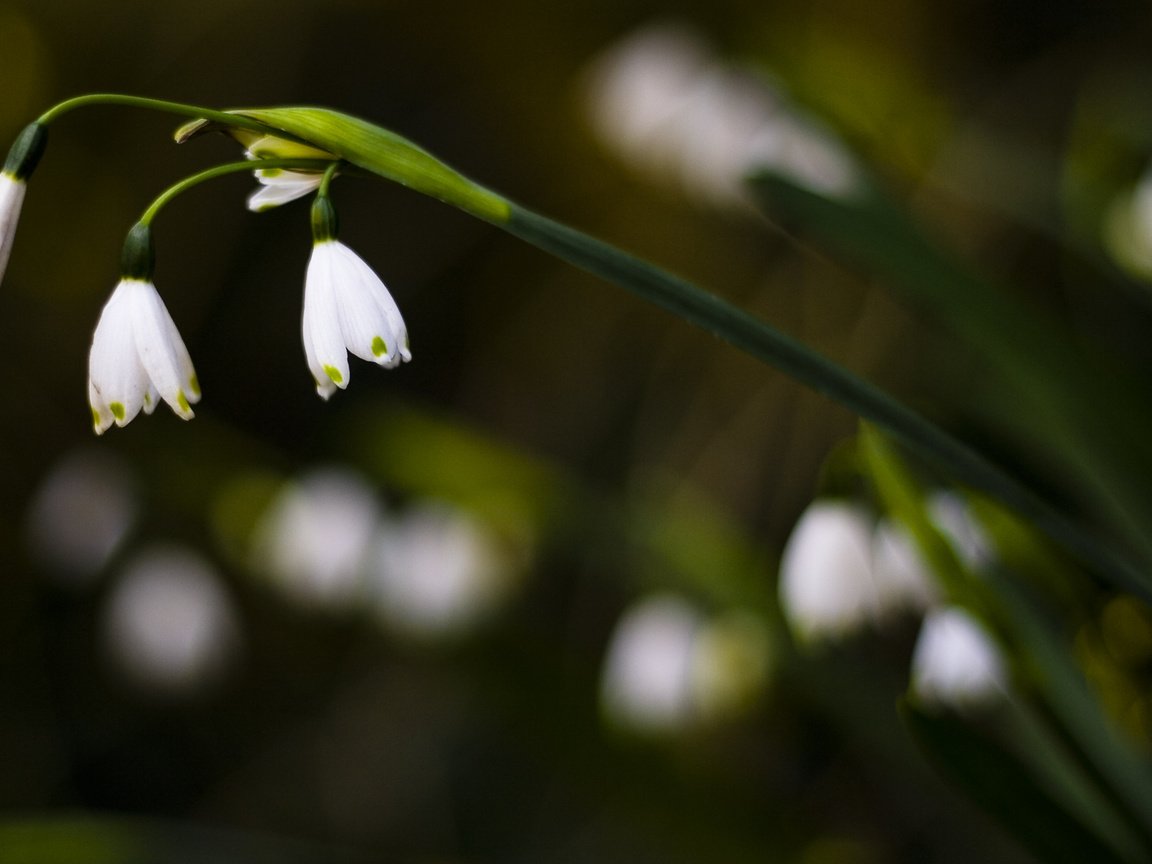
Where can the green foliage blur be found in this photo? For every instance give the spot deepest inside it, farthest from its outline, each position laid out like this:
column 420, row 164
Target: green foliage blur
column 606, row 452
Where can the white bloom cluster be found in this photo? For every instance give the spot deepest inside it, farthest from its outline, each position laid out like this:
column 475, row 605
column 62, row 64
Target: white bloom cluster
column 841, row 571
column 669, row 108
column 138, row 357
column 429, row 571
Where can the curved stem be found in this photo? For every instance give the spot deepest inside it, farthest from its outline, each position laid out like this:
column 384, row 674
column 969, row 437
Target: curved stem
column 171, row 192
column 797, row 360
column 326, row 181
column 183, row 109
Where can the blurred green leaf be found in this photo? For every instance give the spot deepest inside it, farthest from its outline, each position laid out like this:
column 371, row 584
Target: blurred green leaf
column 116, row 840
column 1002, row 785
column 1042, row 664
column 1071, row 405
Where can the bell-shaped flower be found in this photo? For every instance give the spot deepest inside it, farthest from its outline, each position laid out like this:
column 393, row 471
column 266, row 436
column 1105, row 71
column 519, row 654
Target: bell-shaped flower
column 956, row 662
column 827, row 589
column 21, row 161
column 11, row 199
column 347, row 308
column 137, row 358
column 279, row 186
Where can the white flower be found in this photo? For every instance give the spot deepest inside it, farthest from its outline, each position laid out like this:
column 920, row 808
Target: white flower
column 137, row 355
column 347, row 308
column 646, row 682
column 11, row 198
column 169, row 624
column 826, row 583
column 951, row 514
column 279, row 186
column 437, row 572
column 903, row 580
column 316, row 539
column 955, row 661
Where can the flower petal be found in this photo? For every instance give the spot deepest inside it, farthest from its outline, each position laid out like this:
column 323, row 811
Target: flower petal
column 328, row 358
column 11, row 199
column 280, row 187
column 160, row 349
column 365, row 304
column 117, row 384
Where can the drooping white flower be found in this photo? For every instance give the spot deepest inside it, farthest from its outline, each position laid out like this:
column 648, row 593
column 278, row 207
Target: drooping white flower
column 347, row 308
column 903, row 579
column 279, row 186
column 955, row 661
column 11, row 198
column 826, row 582
column 18, row 166
column 137, row 357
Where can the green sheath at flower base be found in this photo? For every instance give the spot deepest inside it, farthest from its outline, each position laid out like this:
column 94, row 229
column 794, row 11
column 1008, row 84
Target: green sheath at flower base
column 26, row 151
column 137, row 259
column 377, row 150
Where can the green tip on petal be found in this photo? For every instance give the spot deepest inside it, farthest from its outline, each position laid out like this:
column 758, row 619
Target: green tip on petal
column 96, row 421
column 118, row 411
column 335, row 374
column 194, row 386
column 182, row 401
column 147, row 400
column 379, row 347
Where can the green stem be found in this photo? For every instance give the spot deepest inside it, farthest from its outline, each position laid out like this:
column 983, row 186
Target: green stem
column 326, row 181
column 769, row 345
column 326, row 165
column 185, row 110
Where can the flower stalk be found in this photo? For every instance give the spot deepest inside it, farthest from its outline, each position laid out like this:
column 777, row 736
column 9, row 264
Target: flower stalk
column 379, row 151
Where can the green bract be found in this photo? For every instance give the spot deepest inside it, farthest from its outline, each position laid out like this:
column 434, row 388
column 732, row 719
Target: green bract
column 374, row 149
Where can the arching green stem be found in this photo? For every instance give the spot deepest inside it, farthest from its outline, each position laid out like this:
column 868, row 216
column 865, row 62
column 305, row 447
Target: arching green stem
column 180, row 108
column 326, row 165
column 326, row 181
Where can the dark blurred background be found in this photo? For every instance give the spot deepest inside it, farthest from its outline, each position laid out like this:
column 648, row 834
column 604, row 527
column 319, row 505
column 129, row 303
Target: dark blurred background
column 194, row 649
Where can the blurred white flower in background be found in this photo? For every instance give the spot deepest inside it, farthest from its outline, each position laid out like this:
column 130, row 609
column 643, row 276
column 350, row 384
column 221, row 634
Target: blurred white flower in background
column 316, row 538
column 901, row 576
column 951, row 514
column 648, row 673
column 1127, row 227
column 826, row 585
column 81, row 513
column 668, row 667
column 956, row 662
column 438, row 571
column 168, row 623
column 665, row 105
